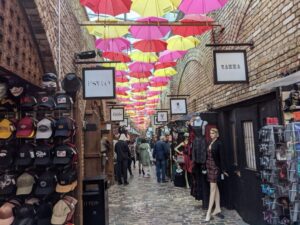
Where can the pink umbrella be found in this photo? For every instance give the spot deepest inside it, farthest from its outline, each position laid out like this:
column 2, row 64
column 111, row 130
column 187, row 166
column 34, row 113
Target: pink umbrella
column 139, row 89
column 122, row 89
column 200, row 6
column 140, row 85
column 160, row 79
column 170, row 56
column 120, row 73
column 112, row 44
column 153, row 101
column 140, row 67
column 149, row 32
column 153, row 93
column 139, row 103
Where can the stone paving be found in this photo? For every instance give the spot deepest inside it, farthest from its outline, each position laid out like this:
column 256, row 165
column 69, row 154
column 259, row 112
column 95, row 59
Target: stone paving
column 145, row 202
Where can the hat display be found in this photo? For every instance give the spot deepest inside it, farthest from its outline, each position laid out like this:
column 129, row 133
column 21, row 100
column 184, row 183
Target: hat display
column 27, row 102
column 63, row 210
column 25, row 184
column 24, row 215
column 43, row 155
column 63, row 101
column 25, row 156
column 7, row 184
column 6, row 156
column 26, row 128
column 44, row 214
column 46, row 184
column 64, row 155
column 46, row 103
column 6, row 213
column 65, row 127
column 6, row 129
column 44, row 128
column 67, row 181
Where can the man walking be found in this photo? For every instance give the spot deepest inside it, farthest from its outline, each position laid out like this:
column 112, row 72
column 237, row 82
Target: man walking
column 123, row 154
column 160, row 154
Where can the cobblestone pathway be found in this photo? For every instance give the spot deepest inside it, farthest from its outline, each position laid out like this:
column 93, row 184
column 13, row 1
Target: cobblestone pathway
column 145, row 202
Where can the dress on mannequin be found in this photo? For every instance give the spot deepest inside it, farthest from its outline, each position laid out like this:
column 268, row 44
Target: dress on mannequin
column 199, row 142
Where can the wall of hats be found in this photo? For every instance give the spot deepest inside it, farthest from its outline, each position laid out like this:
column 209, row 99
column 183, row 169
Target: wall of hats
column 38, row 157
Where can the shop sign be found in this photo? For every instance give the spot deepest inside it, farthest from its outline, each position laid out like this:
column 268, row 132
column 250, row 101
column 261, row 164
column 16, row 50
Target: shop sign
column 178, row 106
column 98, row 83
column 117, row 114
column 162, row 116
column 230, row 66
column 124, row 122
column 156, row 122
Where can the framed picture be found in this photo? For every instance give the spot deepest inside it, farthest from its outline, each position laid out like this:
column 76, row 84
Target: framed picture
column 162, row 116
column 108, row 126
column 230, row 66
column 178, row 106
column 156, row 122
column 117, row 114
column 124, row 122
column 98, row 83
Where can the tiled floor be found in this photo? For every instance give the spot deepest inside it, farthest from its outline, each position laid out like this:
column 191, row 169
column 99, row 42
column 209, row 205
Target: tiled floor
column 145, row 202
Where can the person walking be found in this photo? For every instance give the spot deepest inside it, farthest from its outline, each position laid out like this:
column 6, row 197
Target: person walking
column 123, row 154
column 160, row 154
column 132, row 153
column 144, row 150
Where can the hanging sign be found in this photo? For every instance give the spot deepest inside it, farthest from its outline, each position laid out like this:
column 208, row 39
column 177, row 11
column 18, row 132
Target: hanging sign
column 98, row 83
column 124, row 122
column 117, row 114
column 230, row 66
column 178, row 106
column 162, row 116
column 156, row 122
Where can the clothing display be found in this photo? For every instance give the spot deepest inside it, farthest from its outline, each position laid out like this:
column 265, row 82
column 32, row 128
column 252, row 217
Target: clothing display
column 199, row 144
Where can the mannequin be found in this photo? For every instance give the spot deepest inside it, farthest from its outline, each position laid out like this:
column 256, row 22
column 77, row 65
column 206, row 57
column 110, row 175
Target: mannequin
column 214, row 170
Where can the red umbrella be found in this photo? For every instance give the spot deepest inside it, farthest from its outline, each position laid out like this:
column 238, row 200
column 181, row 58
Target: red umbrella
column 140, row 89
column 150, row 45
column 111, row 7
column 153, row 93
column 140, row 75
column 140, row 66
column 121, row 92
column 158, row 84
column 116, row 56
column 162, row 65
column 122, row 79
column 140, row 86
column 186, row 31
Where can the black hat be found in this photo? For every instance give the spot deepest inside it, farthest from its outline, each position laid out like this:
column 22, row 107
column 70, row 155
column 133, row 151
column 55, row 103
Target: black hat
column 44, row 214
column 65, row 127
column 64, row 155
column 43, row 155
column 7, row 184
column 25, row 156
column 63, row 101
column 71, row 83
column 6, row 156
column 46, row 184
column 27, row 102
column 67, row 180
column 49, row 77
column 24, row 215
column 46, row 103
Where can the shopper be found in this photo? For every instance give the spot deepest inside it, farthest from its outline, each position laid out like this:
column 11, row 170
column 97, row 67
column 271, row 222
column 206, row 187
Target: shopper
column 137, row 144
column 123, row 154
column 144, row 150
column 160, row 153
column 132, row 153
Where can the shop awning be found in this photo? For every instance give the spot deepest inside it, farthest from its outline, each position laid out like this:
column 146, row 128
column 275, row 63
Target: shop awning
column 285, row 81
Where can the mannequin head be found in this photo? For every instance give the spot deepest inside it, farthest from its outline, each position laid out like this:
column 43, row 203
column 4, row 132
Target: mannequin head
column 214, row 133
column 186, row 136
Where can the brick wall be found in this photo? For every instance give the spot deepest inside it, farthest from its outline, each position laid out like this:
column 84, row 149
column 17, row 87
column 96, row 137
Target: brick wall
column 274, row 26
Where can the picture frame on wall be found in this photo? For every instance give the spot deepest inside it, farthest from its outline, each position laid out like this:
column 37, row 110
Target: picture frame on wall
column 124, row 122
column 162, row 116
column 156, row 122
column 178, row 106
column 117, row 114
column 99, row 83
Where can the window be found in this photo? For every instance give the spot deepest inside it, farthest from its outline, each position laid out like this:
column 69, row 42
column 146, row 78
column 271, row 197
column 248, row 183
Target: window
column 249, row 145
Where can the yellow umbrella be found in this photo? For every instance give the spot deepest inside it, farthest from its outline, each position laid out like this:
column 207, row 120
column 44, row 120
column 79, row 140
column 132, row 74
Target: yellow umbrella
column 118, row 84
column 156, row 8
column 176, row 3
column 118, row 66
column 166, row 72
column 179, row 43
column 147, row 57
column 136, row 80
column 157, row 88
column 154, row 97
column 108, row 31
column 123, row 96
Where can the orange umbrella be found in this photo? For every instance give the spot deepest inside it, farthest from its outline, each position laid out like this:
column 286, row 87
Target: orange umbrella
column 150, row 45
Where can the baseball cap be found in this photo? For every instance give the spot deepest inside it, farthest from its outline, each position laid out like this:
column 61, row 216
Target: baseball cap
column 6, row 212
column 63, row 210
column 24, row 215
column 67, row 181
column 7, row 184
column 27, row 102
column 44, row 128
column 26, row 128
column 64, row 154
column 43, row 155
column 71, row 83
column 49, row 77
column 25, row 156
column 6, row 129
column 46, row 103
column 6, row 156
column 65, row 127
column 44, row 214
column 25, row 184
column 46, row 184
column 63, row 101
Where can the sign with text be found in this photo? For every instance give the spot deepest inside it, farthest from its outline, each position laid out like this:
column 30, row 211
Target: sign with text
column 98, row 83
column 117, row 114
column 230, row 66
column 162, row 116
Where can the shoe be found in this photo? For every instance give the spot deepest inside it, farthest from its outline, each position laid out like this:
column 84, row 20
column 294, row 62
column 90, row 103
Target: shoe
column 126, row 183
column 131, row 175
column 120, row 183
column 220, row 215
column 164, row 181
column 158, row 181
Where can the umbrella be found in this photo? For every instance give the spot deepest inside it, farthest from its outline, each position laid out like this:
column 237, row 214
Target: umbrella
column 122, row 90
column 158, row 84
column 152, row 7
column 149, row 32
column 110, row 7
column 170, row 56
column 160, row 79
column 108, row 31
column 186, row 31
column 161, row 65
column 122, row 84
column 139, row 89
column 147, row 57
column 200, row 6
column 165, row 72
column 122, row 79
column 157, row 88
column 120, row 73
column 140, row 67
column 116, row 56
column 179, row 43
column 140, row 85
column 140, row 81
column 150, row 45
column 140, row 75
column 118, row 66
column 112, row 44
column 153, row 93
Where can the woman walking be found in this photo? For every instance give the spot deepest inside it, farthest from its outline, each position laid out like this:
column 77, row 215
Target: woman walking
column 144, row 151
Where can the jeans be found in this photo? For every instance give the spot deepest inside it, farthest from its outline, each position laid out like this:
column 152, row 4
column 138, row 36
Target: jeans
column 161, row 170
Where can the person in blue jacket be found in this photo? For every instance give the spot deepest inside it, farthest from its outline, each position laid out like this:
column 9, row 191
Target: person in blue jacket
column 160, row 154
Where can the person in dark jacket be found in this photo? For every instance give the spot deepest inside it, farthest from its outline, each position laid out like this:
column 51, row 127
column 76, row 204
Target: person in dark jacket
column 160, row 153
column 123, row 155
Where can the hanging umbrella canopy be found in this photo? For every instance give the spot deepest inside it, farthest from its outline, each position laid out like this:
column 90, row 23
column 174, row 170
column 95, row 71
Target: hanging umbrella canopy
column 118, row 66
column 116, row 56
column 200, row 6
column 110, row 7
column 170, row 56
column 150, row 45
column 152, row 7
column 179, row 43
column 147, row 57
column 112, row 44
column 186, row 31
column 149, row 32
column 140, row 75
column 162, row 65
column 166, row 72
column 140, row 67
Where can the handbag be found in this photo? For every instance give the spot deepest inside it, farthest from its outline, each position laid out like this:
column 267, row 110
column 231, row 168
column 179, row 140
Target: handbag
column 180, row 159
